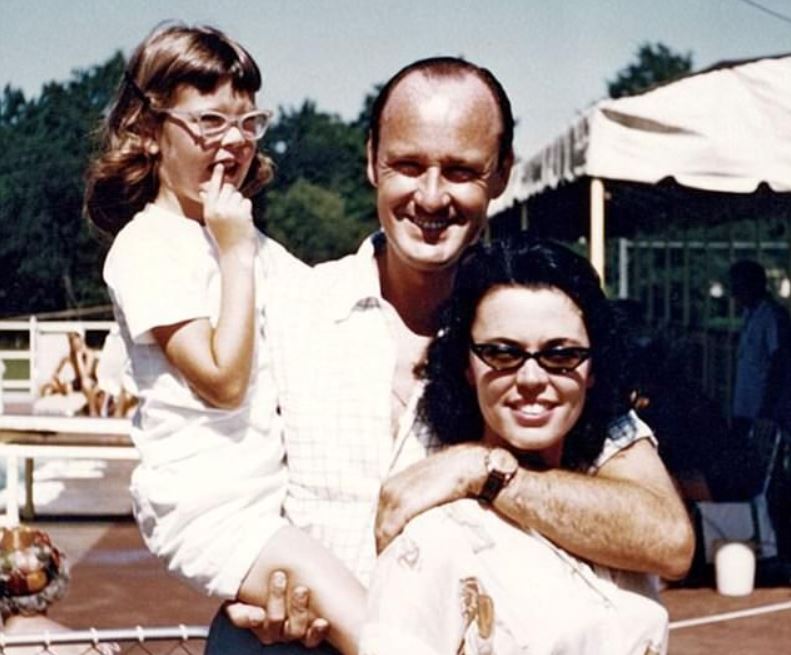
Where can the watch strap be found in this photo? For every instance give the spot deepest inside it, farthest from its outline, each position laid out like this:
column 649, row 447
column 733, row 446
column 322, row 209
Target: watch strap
column 496, row 480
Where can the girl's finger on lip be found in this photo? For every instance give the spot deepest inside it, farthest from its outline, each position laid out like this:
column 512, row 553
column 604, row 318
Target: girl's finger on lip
column 217, row 173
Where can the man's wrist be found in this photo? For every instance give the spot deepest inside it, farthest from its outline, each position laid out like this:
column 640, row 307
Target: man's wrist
column 475, row 472
column 501, row 467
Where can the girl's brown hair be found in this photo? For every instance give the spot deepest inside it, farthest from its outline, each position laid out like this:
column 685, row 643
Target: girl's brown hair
column 124, row 176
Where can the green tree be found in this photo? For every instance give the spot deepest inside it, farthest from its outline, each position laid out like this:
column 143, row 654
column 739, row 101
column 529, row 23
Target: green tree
column 655, row 64
column 320, row 204
column 313, row 221
column 316, row 151
column 48, row 257
column 363, row 120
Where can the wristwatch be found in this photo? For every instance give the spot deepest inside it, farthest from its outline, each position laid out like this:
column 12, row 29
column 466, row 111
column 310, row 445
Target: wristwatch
column 501, row 467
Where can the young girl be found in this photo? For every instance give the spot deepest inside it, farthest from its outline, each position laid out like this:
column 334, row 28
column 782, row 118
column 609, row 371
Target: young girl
column 526, row 362
column 188, row 275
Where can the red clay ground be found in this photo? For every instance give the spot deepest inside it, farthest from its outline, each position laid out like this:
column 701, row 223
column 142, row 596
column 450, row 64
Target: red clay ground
column 116, row 583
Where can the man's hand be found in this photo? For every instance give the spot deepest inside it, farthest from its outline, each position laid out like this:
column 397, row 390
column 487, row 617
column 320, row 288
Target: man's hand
column 286, row 617
column 454, row 473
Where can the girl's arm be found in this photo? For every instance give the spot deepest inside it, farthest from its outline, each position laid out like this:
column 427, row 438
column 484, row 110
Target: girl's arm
column 216, row 361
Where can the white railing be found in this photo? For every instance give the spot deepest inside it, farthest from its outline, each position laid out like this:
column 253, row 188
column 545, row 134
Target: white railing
column 24, row 438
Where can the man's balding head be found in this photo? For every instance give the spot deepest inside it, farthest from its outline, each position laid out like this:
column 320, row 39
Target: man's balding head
column 451, row 68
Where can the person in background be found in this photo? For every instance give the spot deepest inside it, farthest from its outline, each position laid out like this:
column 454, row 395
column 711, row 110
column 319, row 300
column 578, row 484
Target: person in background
column 76, row 372
column 761, row 391
column 115, row 391
column 762, row 381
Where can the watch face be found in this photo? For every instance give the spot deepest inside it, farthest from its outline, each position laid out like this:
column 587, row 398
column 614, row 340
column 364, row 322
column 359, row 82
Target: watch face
column 501, row 467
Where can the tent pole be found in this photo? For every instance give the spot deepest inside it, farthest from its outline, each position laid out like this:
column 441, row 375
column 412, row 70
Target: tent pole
column 730, row 335
column 596, row 248
column 638, row 285
column 685, row 280
column 709, row 383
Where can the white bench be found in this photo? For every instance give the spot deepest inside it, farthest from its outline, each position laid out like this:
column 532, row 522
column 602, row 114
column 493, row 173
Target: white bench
column 28, row 437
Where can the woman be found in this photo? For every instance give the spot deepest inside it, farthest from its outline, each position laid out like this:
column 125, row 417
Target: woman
column 528, row 363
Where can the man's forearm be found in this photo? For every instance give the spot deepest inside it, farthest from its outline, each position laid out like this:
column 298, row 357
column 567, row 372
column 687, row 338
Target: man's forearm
column 627, row 516
column 632, row 523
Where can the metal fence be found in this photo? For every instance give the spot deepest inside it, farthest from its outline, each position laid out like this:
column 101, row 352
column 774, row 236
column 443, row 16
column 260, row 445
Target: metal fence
column 190, row 640
column 178, row 640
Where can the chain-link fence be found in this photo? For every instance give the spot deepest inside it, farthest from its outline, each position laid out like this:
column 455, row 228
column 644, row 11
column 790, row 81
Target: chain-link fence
column 176, row 640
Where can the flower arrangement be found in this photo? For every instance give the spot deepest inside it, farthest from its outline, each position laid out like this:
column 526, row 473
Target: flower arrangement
column 33, row 572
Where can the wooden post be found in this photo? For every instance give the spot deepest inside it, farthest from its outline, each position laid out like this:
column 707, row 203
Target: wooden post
column 708, row 377
column 596, row 243
column 686, row 317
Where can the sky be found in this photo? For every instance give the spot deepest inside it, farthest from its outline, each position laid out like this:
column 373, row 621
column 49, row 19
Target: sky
column 553, row 56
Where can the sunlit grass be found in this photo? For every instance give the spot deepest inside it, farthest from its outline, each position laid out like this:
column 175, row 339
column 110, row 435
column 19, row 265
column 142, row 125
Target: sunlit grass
column 17, row 369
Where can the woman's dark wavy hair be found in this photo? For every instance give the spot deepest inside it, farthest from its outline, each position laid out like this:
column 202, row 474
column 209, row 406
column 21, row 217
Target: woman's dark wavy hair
column 124, row 176
column 450, row 406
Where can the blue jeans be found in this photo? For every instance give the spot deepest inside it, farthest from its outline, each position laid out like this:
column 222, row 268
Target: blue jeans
column 226, row 639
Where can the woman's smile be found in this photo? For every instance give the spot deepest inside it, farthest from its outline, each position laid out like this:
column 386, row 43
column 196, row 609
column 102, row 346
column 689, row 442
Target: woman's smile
column 527, row 407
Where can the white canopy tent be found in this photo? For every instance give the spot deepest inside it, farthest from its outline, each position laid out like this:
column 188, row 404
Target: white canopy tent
column 700, row 156
column 726, row 129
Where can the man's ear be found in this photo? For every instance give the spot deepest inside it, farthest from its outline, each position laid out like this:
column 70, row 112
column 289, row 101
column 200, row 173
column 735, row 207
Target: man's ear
column 503, row 175
column 591, row 381
column 370, row 168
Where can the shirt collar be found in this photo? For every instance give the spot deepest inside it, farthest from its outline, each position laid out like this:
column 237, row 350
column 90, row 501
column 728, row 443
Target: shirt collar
column 361, row 287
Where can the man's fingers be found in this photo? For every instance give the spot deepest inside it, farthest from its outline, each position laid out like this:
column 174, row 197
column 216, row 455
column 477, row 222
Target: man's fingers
column 317, row 633
column 383, row 537
column 391, row 517
column 287, row 616
column 276, row 604
column 245, row 616
column 386, row 532
column 296, row 624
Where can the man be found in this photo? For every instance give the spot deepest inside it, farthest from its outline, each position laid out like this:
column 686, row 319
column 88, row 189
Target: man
column 349, row 341
column 761, row 395
column 761, row 391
